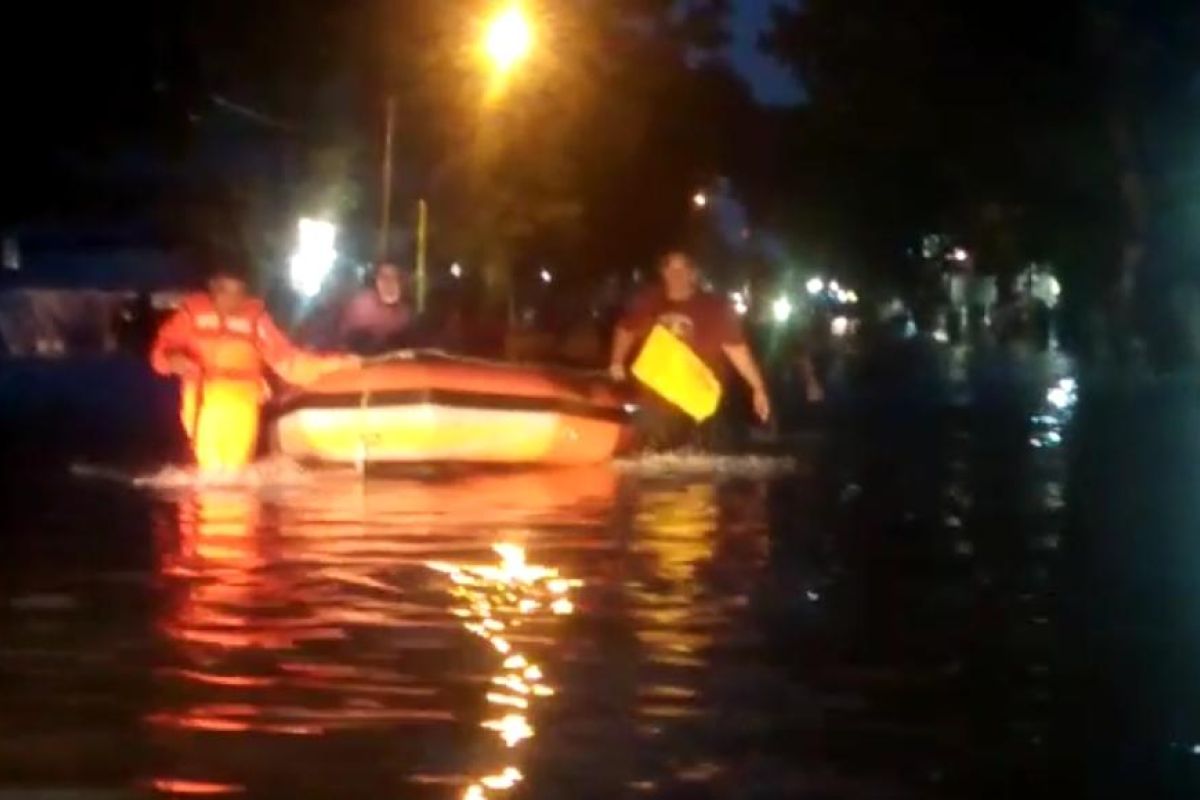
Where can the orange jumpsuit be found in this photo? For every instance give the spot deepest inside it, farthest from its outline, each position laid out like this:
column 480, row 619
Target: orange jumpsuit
column 221, row 397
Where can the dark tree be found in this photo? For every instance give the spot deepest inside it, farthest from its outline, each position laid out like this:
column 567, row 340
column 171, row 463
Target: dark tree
column 1028, row 126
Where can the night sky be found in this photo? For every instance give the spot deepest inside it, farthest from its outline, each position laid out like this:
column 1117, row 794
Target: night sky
column 772, row 84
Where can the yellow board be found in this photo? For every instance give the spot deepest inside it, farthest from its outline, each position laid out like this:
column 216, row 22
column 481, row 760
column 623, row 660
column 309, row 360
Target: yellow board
column 670, row 368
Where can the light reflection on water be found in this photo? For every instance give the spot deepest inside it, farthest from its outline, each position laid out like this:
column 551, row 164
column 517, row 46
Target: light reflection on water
column 341, row 609
column 879, row 624
column 493, row 601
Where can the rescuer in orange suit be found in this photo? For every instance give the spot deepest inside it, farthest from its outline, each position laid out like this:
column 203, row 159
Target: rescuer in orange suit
column 220, row 344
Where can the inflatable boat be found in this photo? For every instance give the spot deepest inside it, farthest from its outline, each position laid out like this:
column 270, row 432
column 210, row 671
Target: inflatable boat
column 424, row 407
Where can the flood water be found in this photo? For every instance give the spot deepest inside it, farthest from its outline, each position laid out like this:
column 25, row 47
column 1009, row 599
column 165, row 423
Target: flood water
column 922, row 605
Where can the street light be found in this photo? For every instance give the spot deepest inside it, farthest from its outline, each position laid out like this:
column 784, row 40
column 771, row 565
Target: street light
column 700, row 200
column 508, row 39
column 314, row 257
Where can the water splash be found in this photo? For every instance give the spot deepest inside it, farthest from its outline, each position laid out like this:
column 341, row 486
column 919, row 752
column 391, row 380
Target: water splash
column 275, row 472
column 703, row 464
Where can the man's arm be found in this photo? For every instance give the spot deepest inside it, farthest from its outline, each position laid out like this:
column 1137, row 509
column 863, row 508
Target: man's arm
column 622, row 346
column 168, row 354
column 813, row 391
column 296, row 365
column 633, row 324
column 744, row 362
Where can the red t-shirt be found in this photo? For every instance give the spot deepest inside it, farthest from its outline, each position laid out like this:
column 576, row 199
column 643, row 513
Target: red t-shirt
column 705, row 321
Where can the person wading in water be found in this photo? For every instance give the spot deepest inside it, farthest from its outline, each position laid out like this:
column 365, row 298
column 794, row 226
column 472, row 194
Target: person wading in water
column 689, row 336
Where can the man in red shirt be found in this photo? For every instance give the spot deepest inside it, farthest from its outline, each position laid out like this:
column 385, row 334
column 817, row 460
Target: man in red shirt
column 709, row 326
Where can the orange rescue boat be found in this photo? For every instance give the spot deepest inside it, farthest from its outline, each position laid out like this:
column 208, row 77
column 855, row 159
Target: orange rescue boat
column 430, row 407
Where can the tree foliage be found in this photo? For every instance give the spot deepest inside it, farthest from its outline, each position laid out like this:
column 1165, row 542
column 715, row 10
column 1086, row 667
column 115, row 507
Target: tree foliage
column 588, row 155
column 1027, row 126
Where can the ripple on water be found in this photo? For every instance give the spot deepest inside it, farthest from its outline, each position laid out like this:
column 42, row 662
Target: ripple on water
column 688, row 464
column 676, row 626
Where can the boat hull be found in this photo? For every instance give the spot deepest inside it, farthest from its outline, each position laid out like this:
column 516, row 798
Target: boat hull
column 430, row 410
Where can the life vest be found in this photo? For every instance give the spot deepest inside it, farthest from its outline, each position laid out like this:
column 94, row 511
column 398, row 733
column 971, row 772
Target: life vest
column 225, row 347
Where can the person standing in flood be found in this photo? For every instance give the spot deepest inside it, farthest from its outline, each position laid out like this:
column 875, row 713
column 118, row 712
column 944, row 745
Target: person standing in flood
column 221, row 345
column 378, row 318
column 697, row 324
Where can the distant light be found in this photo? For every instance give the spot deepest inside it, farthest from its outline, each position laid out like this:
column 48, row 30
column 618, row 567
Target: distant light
column 1055, row 287
column 815, row 286
column 12, row 253
column 509, row 39
column 1058, row 398
column 700, row 200
column 959, row 254
column 739, row 303
column 546, row 276
column 840, row 326
column 456, row 270
column 781, row 309
column 852, row 297
column 940, row 335
column 834, row 288
column 1063, row 395
column 314, row 257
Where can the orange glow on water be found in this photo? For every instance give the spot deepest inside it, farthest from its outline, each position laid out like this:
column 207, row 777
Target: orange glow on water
column 263, row 597
column 193, row 788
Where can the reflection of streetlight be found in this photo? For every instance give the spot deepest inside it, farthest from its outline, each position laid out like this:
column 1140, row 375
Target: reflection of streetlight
column 509, row 39
column 546, row 276
column 456, row 270
column 700, row 200
column 494, row 601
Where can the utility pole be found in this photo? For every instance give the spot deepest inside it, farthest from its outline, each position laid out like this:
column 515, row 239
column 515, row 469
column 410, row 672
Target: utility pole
column 385, row 213
column 422, row 244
